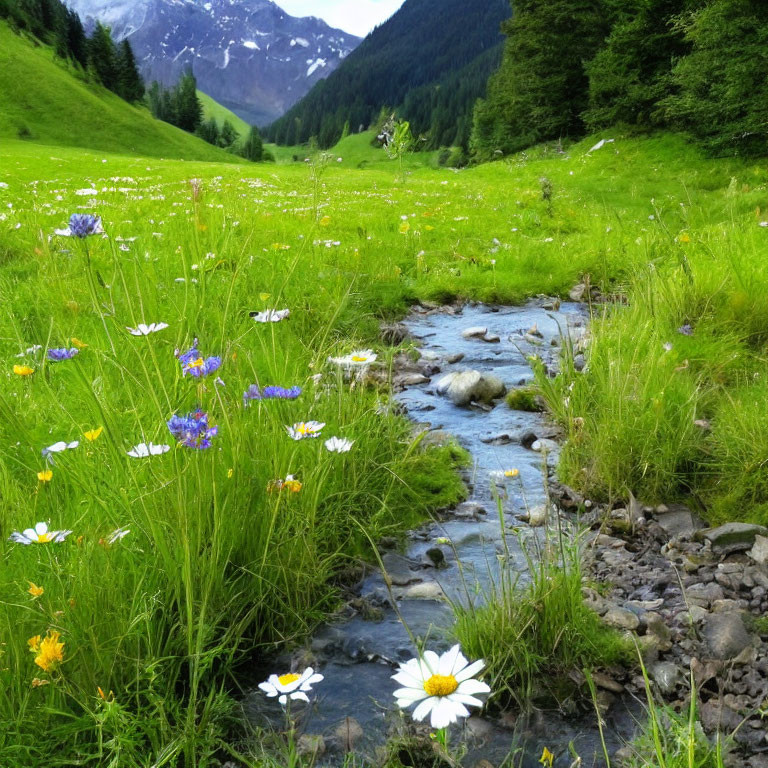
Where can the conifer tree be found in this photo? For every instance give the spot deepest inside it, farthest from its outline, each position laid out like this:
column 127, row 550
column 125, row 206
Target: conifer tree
column 208, row 130
column 541, row 89
column 188, row 109
column 228, row 135
column 102, row 57
column 630, row 76
column 129, row 81
column 721, row 92
column 253, row 148
column 77, row 43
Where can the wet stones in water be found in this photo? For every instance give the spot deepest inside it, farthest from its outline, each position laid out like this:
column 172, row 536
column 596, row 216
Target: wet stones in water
column 436, row 556
column 540, row 445
column 474, row 332
column 455, row 358
column 397, row 569
column 347, row 734
column 465, row 387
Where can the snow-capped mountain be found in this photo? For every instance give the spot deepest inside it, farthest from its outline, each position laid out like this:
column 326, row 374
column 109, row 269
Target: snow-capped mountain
column 249, row 55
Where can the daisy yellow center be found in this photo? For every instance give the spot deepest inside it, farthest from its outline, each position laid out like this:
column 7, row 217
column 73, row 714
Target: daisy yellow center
column 44, row 538
column 305, row 429
column 441, row 685
column 358, row 359
column 288, row 679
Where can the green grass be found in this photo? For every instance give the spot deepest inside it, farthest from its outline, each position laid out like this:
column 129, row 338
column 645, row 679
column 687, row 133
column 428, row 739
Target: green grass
column 216, row 570
column 212, row 109
column 534, row 630
column 45, row 100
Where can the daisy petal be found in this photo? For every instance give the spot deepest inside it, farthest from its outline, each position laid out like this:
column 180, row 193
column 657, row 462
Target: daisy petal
column 470, row 671
column 473, row 686
column 425, row 708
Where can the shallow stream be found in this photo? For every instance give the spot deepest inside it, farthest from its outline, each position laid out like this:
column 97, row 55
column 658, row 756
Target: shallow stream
column 359, row 655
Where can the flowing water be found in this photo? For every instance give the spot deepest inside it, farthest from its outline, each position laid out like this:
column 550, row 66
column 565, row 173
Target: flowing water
column 359, row 655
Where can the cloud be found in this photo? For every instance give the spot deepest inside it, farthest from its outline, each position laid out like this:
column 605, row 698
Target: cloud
column 356, row 16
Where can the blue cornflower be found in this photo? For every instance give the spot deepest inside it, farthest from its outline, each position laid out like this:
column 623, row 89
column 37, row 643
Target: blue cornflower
column 685, row 330
column 270, row 393
column 192, row 430
column 57, row 355
column 84, row 224
column 194, row 364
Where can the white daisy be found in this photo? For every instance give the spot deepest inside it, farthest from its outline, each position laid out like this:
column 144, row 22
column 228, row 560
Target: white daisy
column 443, row 685
column 144, row 330
column 304, row 429
column 357, row 359
column 39, row 535
column 271, row 315
column 142, row 450
column 339, row 445
column 291, row 686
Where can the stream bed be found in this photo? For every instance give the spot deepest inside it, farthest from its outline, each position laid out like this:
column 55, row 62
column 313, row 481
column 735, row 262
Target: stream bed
column 358, row 655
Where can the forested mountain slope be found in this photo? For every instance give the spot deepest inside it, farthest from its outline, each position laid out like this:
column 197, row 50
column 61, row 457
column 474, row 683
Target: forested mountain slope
column 431, row 61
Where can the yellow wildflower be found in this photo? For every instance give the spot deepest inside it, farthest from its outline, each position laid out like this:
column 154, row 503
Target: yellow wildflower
column 547, row 758
column 684, row 238
column 93, row 434
column 325, row 221
column 77, row 343
column 23, row 370
column 45, row 475
column 511, row 472
column 50, row 652
column 405, row 228
column 34, row 590
column 264, row 296
column 230, row 473
column 34, row 643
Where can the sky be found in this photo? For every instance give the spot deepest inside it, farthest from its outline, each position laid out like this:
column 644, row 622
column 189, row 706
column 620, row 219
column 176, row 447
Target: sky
column 356, row 16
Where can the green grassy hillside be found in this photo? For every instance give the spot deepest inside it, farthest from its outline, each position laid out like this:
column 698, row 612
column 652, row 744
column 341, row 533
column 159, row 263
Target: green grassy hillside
column 212, row 109
column 44, row 100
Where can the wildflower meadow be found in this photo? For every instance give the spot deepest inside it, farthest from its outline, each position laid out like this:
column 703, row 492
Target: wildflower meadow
column 193, row 450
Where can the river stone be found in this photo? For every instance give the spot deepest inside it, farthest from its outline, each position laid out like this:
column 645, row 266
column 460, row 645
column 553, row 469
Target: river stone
column 398, row 569
column 543, row 444
column 466, row 386
column 666, row 675
column 310, row 745
column 410, row 379
column 678, row 521
column 725, row 635
column 621, row 618
column 492, row 338
column 348, row 733
column 454, row 358
column 474, row 332
column 733, row 537
column 436, row 556
column 428, row 590
column 759, row 551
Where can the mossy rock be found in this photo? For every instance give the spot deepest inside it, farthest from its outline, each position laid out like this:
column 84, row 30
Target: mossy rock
column 525, row 399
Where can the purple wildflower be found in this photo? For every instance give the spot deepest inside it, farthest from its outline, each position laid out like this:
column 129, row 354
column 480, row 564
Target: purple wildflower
column 685, row 330
column 57, row 355
column 194, row 364
column 84, row 224
column 192, row 430
column 270, row 393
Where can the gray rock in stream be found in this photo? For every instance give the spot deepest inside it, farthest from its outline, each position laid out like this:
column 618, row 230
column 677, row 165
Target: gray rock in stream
column 475, row 332
column 470, row 386
column 733, row 537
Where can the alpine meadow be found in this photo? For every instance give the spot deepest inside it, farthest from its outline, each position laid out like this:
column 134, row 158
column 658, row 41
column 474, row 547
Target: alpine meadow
column 386, row 403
